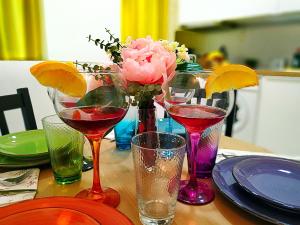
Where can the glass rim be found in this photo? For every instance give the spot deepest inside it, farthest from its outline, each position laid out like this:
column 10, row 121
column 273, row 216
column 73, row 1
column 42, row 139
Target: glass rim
column 158, row 149
column 45, row 119
column 195, row 73
column 193, row 104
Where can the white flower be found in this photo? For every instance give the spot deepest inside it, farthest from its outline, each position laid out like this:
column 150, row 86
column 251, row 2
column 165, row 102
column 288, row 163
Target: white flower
column 183, row 56
column 170, row 46
column 182, row 48
column 173, row 45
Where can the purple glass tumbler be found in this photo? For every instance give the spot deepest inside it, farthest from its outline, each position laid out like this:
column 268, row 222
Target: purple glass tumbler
column 206, row 154
column 200, row 164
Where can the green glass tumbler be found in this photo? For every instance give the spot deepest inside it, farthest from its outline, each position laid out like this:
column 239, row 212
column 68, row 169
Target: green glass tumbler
column 65, row 146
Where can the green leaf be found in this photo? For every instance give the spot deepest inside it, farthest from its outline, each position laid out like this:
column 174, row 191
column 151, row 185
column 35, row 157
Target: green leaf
column 96, row 67
column 97, row 41
column 103, row 96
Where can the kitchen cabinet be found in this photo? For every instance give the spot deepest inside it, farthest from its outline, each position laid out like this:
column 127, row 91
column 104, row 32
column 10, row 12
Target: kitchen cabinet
column 288, row 6
column 247, row 103
column 278, row 123
column 202, row 11
column 199, row 13
column 269, row 114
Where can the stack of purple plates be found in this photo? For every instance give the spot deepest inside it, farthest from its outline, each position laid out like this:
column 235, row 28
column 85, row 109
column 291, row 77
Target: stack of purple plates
column 266, row 187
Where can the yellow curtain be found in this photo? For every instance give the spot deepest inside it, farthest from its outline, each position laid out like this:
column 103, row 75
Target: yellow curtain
column 140, row 18
column 21, row 30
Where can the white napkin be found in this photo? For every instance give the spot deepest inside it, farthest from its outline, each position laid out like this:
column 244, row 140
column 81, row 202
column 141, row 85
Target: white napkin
column 25, row 189
column 224, row 153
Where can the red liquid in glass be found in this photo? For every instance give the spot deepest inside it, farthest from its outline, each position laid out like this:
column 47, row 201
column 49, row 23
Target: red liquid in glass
column 196, row 118
column 92, row 120
column 68, row 104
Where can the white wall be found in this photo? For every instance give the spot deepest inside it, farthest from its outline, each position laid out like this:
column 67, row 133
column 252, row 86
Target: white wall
column 69, row 22
column 15, row 74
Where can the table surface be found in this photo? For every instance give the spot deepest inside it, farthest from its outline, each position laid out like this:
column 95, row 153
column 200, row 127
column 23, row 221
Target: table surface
column 116, row 170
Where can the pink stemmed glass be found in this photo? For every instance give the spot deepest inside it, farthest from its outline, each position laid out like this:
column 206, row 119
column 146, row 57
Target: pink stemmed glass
column 196, row 117
column 103, row 106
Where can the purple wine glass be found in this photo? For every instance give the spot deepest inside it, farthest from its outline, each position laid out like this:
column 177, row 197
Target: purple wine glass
column 196, row 117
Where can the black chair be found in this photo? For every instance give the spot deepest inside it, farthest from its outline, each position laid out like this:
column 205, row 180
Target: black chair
column 20, row 100
column 231, row 118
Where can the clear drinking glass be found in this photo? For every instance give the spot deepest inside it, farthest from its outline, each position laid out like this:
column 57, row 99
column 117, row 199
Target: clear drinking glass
column 158, row 159
column 65, row 146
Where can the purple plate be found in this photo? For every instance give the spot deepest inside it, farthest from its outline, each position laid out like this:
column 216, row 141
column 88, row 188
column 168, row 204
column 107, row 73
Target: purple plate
column 275, row 180
column 227, row 185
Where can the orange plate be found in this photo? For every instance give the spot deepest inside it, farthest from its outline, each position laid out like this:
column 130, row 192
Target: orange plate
column 61, row 211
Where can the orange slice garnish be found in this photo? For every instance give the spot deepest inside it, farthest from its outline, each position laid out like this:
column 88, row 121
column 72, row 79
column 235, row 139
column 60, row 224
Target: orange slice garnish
column 62, row 76
column 229, row 77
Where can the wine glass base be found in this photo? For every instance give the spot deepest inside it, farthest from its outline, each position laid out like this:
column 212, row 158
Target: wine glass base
column 201, row 194
column 108, row 197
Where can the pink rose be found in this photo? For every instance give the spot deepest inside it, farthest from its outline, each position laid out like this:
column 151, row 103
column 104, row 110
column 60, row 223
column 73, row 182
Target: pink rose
column 147, row 62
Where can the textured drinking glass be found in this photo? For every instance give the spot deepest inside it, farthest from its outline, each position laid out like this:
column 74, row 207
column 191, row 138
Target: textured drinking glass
column 206, row 153
column 65, row 146
column 158, row 159
column 125, row 129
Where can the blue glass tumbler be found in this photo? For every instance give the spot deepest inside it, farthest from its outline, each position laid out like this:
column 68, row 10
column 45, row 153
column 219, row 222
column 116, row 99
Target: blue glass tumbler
column 126, row 129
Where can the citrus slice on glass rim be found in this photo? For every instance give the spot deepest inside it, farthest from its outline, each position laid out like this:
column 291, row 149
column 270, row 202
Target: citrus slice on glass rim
column 62, row 76
column 229, row 77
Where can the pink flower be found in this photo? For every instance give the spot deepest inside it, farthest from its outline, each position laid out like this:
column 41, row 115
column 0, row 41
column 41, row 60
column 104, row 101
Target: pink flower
column 147, row 62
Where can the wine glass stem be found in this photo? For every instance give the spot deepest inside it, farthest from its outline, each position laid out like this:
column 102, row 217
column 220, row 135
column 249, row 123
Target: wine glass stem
column 194, row 139
column 95, row 146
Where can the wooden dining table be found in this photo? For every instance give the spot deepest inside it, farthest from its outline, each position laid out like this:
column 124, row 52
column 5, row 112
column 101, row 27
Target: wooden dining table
column 116, row 171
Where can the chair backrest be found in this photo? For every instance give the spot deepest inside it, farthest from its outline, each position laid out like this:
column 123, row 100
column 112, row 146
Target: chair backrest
column 20, row 100
column 231, row 118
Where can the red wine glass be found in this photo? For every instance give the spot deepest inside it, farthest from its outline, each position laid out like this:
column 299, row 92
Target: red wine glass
column 103, row 106
column 196, row 116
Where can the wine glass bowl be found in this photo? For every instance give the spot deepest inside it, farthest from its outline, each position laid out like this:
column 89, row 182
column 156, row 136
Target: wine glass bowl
column 104, row 104
column 196, row 116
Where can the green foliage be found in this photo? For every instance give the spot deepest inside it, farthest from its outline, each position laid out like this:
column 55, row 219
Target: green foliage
column 143, row 93
column 91, row 68
column 112, row 47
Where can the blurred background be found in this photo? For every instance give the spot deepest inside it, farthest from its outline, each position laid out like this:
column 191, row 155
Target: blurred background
column 261, row 34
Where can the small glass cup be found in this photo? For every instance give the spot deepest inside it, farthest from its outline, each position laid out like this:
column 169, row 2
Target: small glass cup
column 170, row 126
column 126, row 129
column 65, row 146
column 158, row 159
column 206, row 154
